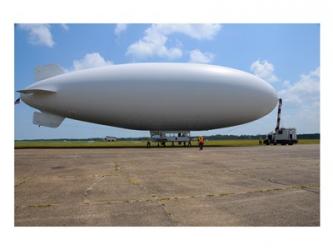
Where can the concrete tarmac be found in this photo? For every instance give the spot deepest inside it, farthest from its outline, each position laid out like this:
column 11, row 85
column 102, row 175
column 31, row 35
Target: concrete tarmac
column 222, row 186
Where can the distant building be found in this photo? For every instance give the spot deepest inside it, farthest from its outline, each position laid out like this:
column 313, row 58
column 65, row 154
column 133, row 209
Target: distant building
column 110, row 138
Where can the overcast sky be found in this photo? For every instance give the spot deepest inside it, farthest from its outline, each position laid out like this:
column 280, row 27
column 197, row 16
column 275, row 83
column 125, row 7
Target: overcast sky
column 286, row 55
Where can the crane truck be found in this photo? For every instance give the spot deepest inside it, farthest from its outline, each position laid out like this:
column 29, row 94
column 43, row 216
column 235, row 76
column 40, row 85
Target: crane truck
column 281, row 136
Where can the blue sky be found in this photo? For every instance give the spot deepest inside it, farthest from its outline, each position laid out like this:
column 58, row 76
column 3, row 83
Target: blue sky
column 286, row 55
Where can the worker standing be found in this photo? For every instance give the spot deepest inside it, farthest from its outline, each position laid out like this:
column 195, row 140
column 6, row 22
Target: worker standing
column 201, row 142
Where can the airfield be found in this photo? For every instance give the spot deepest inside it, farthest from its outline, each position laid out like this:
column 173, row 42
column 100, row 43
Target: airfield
column 219, row 186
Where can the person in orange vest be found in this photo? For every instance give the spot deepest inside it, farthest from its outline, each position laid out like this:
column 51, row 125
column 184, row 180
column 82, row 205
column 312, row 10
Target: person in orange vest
column 201, row 142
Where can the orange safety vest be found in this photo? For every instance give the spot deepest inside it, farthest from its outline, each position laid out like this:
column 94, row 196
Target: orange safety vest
column 201, row 140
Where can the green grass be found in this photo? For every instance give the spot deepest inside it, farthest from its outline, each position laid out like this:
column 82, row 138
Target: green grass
column 309, row 141
column 137, row 144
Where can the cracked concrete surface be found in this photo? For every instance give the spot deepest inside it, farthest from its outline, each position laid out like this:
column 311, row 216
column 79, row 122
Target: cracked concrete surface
column 245, row 186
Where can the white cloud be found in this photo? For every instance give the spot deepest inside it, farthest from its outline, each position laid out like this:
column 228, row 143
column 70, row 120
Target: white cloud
column 90, row 60
column 286, row 83
column 196, row 31
column 156, row 36
column 196, row 56
column 302, row 101
column 64, row 26
column 39, row 34
column 264, row 70
column 304, row 91
column 153, row 45
column 121, row 27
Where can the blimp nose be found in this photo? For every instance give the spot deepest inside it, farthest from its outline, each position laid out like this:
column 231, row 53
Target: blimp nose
column 273, row 95
column 269, row 97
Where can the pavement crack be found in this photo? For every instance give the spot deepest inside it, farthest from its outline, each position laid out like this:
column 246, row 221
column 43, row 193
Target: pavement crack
column 24, row 180
column 42, row 205
column 164, row 199
column 91, row 187
column 100, row 178
column 167, row 213
column 276, row 182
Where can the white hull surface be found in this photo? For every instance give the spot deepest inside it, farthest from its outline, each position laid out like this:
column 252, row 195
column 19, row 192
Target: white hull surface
column 155, row 96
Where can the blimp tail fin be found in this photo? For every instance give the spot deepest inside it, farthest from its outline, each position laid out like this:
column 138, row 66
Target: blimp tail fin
column 47, row 119
column 37, row 91
column 46, row 71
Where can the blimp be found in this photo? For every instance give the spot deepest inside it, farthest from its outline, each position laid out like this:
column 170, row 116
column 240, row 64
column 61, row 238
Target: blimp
column 156, row 97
